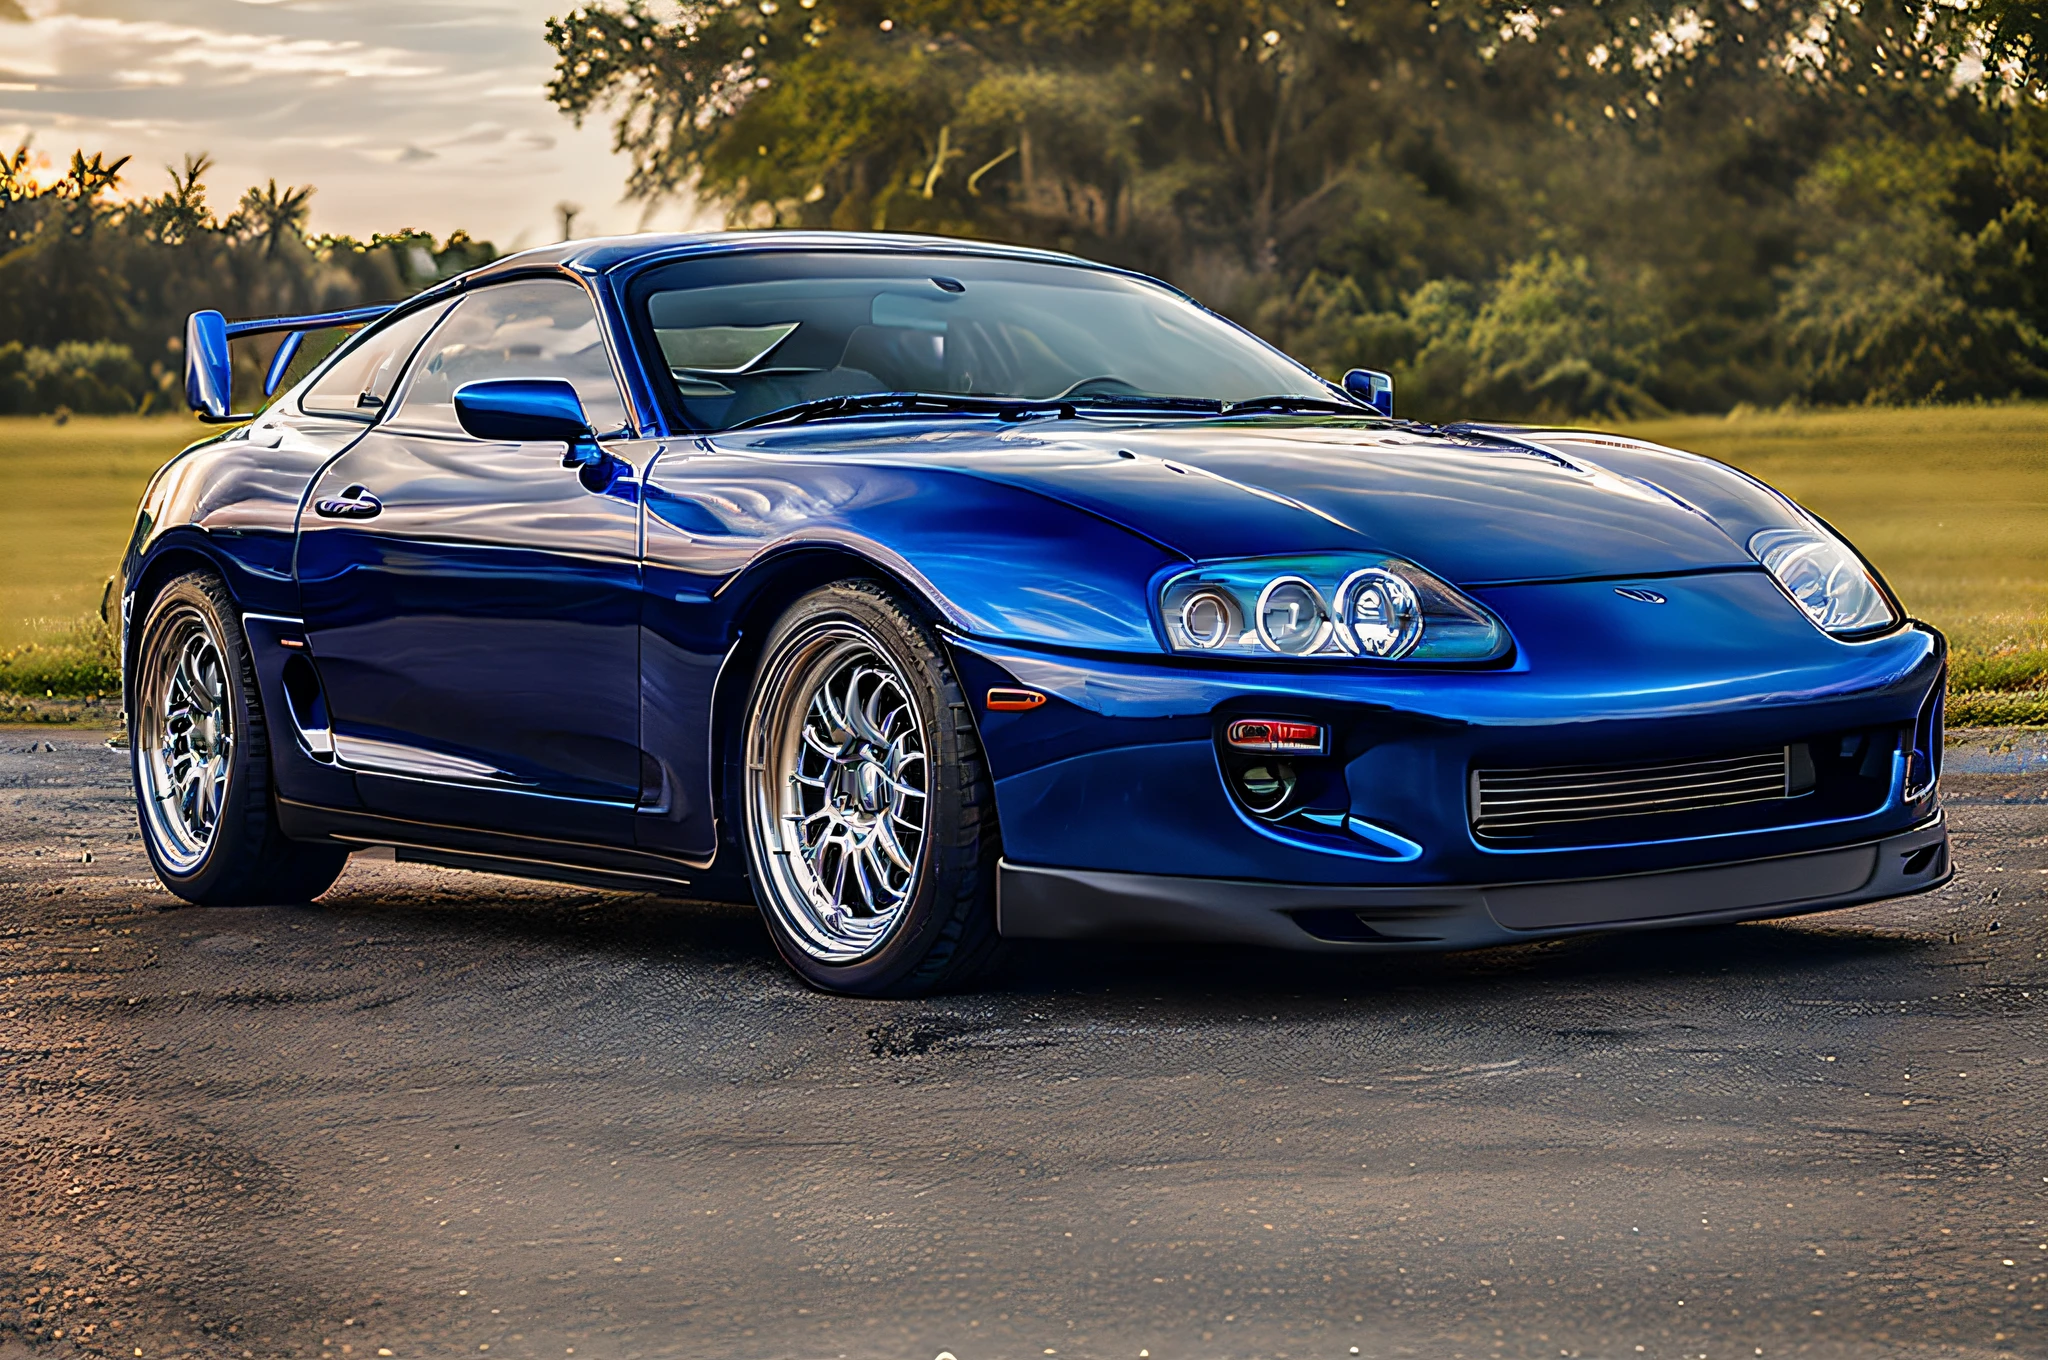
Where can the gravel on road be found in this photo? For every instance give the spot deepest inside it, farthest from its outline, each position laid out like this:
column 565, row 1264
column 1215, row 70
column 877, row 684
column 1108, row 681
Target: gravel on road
column 442, row 1113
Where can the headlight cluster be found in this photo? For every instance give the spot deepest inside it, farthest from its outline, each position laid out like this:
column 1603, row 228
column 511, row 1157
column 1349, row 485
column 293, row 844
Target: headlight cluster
column 1327, row 606
column 1824, row 578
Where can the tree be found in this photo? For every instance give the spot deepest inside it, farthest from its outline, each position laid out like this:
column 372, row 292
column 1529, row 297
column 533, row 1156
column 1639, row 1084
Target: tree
column 1158, row 131
column 273, row 215
column 1340, row 173
column 94, row 291
column 2014, row 37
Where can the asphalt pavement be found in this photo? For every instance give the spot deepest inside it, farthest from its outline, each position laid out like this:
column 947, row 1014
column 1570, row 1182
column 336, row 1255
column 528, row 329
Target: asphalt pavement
column 442, row 1114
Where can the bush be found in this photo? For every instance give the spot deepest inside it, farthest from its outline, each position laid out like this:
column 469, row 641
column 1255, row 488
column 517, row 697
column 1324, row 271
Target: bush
column 1547, row 341
column 82, row 661
column 96, row 378
column 1930, row 289
column 1327, row 324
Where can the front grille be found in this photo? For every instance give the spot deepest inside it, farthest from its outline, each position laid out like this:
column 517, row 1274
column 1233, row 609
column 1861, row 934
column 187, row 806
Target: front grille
column 1521, row 804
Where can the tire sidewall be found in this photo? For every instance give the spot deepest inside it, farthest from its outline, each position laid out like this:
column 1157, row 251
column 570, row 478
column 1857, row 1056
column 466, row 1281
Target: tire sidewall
column 202, row 593
column 929, row 913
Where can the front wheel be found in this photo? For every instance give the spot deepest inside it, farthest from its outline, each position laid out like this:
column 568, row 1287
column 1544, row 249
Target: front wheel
column 199, row 752
column 870, row 826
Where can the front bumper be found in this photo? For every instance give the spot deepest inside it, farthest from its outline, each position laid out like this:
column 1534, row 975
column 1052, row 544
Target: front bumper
column 1121, row 771
column 1079, row 904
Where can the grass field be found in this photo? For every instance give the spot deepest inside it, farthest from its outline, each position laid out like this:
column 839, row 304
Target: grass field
column 1951, row 504
column 68, row 495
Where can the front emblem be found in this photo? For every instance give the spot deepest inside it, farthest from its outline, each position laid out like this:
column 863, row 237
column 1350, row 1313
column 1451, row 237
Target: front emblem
column 1639, row 595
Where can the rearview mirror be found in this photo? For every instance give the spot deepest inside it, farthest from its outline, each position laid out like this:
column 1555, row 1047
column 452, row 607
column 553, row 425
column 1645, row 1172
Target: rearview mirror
column 1372, row 387
column 530, row 411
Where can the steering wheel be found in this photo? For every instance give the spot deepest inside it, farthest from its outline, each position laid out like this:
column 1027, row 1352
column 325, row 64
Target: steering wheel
column 1106, row 385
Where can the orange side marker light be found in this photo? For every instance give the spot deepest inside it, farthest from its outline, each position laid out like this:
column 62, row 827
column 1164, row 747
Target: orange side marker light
column 1014, row 700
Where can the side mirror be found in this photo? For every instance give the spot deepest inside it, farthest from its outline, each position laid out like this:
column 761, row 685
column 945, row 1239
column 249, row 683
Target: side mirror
column 1373, row 388
column 530, row 411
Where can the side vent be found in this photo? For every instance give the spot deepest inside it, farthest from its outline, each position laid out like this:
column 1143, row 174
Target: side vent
column 309, row 707
column 653, row 785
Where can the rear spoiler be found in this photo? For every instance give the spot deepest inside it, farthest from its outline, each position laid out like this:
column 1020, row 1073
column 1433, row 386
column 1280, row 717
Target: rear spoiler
column 209, row 373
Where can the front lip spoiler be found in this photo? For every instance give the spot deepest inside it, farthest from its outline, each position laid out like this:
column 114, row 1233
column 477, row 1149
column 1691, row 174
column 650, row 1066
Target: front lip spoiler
column 1038, row 903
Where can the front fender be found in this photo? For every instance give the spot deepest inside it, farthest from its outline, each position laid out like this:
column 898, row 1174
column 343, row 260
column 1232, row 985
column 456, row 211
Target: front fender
column 731, row 539
column 989, row 560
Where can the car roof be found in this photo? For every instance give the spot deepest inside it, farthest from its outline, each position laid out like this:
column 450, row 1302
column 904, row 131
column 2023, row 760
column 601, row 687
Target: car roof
column 606, row 254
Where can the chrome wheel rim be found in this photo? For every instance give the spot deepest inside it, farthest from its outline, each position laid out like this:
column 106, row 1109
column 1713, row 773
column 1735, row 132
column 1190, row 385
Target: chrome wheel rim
column 185, row 748
column 839, row 792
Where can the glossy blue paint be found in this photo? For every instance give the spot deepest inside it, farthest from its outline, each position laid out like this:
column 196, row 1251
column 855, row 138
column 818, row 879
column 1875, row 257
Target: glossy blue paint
column 523, row 409
column 535, row 410
column 1471, row 509
column 480, row 634
column 1122, row 735
column 315, row 321
column 209, row 374
column 281, row 361
column 725, row 523
column 508, row 648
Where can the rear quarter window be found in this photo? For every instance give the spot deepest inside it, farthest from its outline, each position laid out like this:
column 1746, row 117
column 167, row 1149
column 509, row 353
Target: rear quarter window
column 358, row 382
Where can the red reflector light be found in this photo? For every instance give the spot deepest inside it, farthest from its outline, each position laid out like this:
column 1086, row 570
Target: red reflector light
column 1014, row 700
column 1276, row 734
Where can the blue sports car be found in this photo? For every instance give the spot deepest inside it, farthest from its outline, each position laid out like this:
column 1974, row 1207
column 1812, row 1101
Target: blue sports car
column 929, row 592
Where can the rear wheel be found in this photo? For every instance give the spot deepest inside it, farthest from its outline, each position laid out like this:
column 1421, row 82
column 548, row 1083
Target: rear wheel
column 870, row 825
column 200, row 755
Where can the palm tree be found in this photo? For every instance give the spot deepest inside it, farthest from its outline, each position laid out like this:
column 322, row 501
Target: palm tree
column 271, row 214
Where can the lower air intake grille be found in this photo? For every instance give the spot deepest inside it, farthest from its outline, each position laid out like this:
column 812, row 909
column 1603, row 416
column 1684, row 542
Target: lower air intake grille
column 1521, row 804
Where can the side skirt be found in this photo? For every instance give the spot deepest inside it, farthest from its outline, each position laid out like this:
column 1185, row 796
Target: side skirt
column 459, row 847
column 541, row 869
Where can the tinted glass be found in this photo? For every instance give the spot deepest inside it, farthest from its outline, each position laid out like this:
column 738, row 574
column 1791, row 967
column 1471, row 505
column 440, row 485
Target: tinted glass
column 745, row 335
column 536, row 328
column 359, row 383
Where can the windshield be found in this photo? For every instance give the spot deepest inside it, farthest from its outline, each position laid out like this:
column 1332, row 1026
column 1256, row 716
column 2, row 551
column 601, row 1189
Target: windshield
column 744, row 336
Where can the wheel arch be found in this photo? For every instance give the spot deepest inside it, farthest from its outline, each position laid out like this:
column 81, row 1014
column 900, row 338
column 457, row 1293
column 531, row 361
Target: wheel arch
column 765, row 591
column 170, row 559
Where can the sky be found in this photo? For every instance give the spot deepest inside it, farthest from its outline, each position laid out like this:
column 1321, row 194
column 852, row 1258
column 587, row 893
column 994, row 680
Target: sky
column 428, row 114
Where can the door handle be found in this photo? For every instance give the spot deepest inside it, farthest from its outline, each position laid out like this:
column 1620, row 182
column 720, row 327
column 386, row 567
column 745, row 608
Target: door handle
column 354, row 503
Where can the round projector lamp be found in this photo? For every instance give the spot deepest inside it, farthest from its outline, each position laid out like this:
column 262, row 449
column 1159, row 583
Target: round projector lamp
column 1381, row 613
column 1291, row 616
column 1205, row 618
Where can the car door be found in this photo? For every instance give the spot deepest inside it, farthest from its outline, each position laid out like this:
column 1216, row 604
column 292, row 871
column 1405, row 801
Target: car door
column 472, row 607
column 286, row 447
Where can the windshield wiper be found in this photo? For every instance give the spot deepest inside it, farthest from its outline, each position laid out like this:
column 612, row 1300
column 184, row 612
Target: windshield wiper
column 1136, row 401
column 1288, row 403
column 942, row 403
column 862, row 403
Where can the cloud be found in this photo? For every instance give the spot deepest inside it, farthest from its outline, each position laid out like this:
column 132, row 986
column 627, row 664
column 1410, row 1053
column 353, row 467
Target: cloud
column 478, row 134
column 427, row 112
column 268, row 54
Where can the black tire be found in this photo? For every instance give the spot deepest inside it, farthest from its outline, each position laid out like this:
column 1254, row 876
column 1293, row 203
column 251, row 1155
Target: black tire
column 930, row 926
column 201, row 762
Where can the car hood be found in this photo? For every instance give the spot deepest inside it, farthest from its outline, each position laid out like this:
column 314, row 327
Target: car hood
column 1473, row 506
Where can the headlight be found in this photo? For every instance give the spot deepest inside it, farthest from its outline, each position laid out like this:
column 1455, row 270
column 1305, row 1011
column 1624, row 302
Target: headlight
column 1824, row 578
column 1326, row 607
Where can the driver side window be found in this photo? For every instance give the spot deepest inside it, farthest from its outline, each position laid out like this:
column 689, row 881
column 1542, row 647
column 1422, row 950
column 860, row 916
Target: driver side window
column 534, row 328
